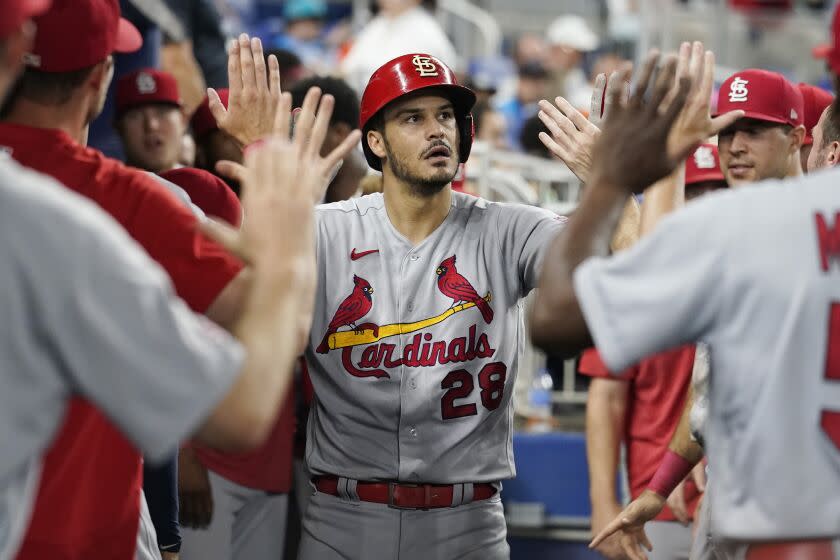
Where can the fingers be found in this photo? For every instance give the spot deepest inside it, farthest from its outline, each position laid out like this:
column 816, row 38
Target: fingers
column 645, row 541
column 677, row 504
column 699, row 475
column 553, row 146
column 596, row 106
column 303, row 124
column 557, row 123
column 663, row 85
column 707, row 78
column 339, row 152
column 617, row 89
column 638, row 95
column 217, row 108
column 611, row 527
column 283, row 116
column 231, row 170
column 224, row 235
column 575, row 116
column 260, row 72
column 274, row 76
column 234, row 69
column 322, row 123
column 632, row 549
column 246, row 62
column 697, row 63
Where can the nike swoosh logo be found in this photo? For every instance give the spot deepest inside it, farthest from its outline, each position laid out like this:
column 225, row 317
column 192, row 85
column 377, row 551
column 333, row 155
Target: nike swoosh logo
column 354, row 256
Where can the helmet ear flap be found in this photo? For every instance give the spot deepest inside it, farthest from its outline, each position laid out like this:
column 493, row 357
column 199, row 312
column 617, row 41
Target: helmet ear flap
column 467, row 132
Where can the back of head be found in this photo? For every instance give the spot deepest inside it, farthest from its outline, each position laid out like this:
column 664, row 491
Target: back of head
column 346, row 109
column 815, row 101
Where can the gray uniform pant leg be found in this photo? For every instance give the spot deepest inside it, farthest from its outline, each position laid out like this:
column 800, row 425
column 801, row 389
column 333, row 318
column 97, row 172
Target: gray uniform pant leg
column 335, row 528
column 671, row 540
column 147, row 545
column 247, row 524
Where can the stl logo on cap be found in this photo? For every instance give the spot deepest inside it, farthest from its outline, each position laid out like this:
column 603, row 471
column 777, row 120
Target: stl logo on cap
column 424, row 66
column 738, row 90
column 145, row 83
column 793, row 115
column 704, row 158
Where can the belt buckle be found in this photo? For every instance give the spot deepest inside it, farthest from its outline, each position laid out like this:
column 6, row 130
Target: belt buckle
column 426, row 496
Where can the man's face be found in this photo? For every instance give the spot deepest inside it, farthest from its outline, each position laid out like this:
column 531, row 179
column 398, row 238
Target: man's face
column 493, row 130
column 820, row 155
column 752, row 150
column 152, row 136
column 420, row 142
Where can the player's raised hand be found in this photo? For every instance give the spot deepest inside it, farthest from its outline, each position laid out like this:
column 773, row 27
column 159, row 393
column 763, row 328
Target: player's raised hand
column 631, row 152
column 253, row 94
column 629, row 524
column 695, row 123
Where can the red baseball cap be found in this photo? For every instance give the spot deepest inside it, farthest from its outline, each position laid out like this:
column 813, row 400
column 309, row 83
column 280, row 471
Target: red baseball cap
column 703, row 165
column 15, row 12
column 208, row 192
column 815, row 100
column 202, row 120
column 76, row 34
column 143, row 87
column 762, row 95
column 830, row 51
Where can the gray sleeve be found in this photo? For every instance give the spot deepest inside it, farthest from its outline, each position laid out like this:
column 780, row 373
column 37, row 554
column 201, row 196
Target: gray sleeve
column 660, row 294
column 122, row 337
column 525, row 233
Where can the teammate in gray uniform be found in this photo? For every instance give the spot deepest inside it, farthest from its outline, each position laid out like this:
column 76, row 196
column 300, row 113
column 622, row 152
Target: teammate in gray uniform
column 416, row 337
column 759, row 286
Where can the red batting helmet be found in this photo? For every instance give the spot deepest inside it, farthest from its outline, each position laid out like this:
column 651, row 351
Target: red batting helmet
column 407, row 74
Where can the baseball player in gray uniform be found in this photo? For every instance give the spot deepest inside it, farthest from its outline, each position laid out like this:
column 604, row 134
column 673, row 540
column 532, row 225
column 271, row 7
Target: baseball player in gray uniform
column 759, row 286
column 416, row 337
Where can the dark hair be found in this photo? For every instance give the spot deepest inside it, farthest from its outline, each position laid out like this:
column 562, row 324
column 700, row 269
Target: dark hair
column 831, row 124
column 346, row 101
column 285, row 58
column 529, row 137
column 49, row 88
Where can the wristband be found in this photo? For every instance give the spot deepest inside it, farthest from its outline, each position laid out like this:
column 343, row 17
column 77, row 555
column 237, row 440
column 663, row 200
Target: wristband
column 673, row 469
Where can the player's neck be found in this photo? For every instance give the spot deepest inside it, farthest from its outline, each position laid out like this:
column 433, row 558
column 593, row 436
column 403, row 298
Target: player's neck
column 414, row 216
column 794, row 166
column 69, row 119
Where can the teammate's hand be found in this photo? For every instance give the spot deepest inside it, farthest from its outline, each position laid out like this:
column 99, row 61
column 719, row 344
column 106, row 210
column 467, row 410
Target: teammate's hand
column 194, row 493
column 676, row 501
column 253, row 93
column 631, row 152
column 695, row 123
column 629, row 525
column 602, row 514
column 698, row 473
column 169, row 555
column 573, row 135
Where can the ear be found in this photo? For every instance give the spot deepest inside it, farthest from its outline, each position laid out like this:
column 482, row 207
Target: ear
column 13, row 48
column 797, row 136
column 377, row 143
column 100, row 77
column 833, row 155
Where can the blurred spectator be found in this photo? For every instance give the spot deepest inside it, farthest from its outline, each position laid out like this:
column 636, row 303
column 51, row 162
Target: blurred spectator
column 569, row 37
column 815, row 102
column 530, row 141
column 150, row 119
column 305, row 32
column 345, row 119
column 532, row 85
column 187, row 155
column 485, row 76
column 211, row 144
column 530, row 48
column 831, row 51
column 490, row 126
column 400, row 27
column 292, row 69
column 204, row 38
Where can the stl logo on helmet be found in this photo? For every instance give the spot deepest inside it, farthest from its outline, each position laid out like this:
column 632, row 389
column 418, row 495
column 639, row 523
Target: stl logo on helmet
column 704, row 158
column 424, row 66
column 738, row 90
column 146, row 83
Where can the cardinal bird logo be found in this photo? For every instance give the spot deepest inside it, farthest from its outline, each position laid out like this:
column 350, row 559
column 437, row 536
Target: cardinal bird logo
column 451, row 284
column 354, row 307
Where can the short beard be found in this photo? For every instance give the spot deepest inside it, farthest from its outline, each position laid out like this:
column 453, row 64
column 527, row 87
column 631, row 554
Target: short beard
column 420, row 186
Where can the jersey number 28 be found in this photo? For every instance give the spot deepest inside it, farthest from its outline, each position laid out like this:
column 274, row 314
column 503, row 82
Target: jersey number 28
column 491, row 380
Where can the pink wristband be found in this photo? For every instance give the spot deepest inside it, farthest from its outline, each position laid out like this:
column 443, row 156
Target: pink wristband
column 673, row 469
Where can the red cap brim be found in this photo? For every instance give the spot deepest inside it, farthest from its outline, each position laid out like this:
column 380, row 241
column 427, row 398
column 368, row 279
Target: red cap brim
column 711, row 175
column 128, row 37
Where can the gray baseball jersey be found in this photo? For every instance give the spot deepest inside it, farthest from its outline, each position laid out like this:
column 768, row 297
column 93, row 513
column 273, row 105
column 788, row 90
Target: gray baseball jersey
column 414, row 349
column 755, row 274
column 86, row 311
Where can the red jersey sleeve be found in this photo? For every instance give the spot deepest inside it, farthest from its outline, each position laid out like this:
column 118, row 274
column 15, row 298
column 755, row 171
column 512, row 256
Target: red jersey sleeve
column 168, row 230
column 592, row 365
